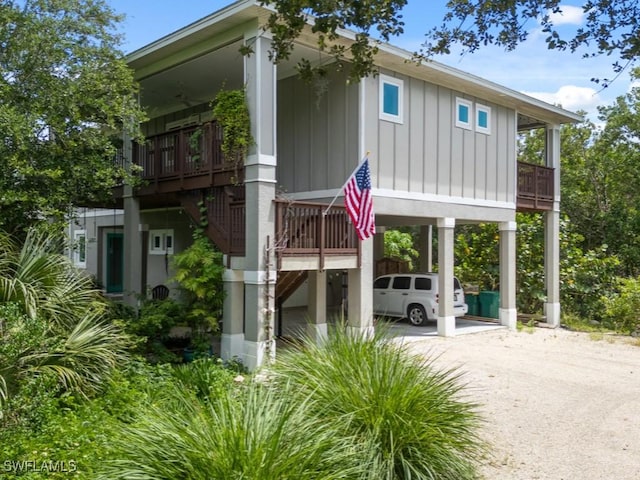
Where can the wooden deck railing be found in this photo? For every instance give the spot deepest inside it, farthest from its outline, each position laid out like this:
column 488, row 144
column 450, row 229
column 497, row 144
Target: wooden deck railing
column 184, row 159
column 535, row 187
column 302, row 229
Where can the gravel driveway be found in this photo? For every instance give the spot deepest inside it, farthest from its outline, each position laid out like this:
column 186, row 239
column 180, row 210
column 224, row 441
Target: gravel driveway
column 559, row 405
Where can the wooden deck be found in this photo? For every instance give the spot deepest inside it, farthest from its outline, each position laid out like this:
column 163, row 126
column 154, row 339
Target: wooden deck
column 535, row 188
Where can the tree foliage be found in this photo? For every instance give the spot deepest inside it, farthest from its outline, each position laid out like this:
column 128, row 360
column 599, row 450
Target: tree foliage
column 610, row 28
column 371, row 20
column 400, row 245
column 66, row 93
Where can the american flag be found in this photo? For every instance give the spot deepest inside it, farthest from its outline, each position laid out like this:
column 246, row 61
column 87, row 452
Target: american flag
column 357, row 199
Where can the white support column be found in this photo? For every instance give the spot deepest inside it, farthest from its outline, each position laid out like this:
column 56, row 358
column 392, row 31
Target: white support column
column 317, row 326
column 446, row 317
column 260, row 191
column 508, row 310
column 232, row 339
column 360, row 299
column 552, row 232
column 552, row 267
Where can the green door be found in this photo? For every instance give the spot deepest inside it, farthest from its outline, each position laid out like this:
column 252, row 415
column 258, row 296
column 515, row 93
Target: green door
column 115, row 262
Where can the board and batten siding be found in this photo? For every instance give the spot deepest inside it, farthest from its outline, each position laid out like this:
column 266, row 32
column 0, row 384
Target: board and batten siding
column 428, row 154
column 317, row 133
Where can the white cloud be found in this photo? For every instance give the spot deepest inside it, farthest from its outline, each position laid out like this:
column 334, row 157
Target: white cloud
column 571, row 97
column 570, row 15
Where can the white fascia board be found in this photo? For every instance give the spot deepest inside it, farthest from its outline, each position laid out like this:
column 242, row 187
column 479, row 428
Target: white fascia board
column 184, row 32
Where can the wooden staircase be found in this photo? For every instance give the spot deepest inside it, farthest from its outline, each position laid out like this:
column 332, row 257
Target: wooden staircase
column 222, row 210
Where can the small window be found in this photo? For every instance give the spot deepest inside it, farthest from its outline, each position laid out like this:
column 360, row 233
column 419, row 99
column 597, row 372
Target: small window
column 80, row 248
column 463, row 113
column 456, row 284
column 423, row 283
column 160, row 242
column 402, row 283
column 382, row 282
column 391, row 99
column 483, row 119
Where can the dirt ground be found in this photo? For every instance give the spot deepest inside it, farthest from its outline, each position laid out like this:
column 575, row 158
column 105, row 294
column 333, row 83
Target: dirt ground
column 558, row 405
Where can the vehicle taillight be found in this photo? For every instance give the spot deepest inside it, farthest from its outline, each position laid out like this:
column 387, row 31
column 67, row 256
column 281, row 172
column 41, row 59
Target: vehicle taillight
column 437, row 297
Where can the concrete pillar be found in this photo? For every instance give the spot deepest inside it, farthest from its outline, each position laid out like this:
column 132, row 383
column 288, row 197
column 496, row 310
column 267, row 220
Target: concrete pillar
column 132, row 268
column 360, row 297
column 426, row 248
column 260, row 190
column 317, row 288
column 508, row 310
column 232, row 339
column 552, row 231
column 446, row 317
column 552, row 267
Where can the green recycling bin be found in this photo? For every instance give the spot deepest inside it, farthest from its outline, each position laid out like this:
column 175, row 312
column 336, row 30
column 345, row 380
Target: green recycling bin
column 489, row 304
column 473, row 303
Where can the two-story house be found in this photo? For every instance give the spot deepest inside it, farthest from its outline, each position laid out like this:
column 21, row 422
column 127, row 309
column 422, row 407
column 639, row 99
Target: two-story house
column 442, row 150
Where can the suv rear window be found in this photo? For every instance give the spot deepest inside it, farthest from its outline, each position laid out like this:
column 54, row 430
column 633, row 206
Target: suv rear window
column 423, row 283
column 402, row 283
column 456, row 284
column 382, row 282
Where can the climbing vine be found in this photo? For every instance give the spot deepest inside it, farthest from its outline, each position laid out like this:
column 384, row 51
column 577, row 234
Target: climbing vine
column 232, row 113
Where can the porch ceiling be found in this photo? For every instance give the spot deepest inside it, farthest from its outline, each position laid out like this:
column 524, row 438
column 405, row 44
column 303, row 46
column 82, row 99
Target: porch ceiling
column 192, row 82
column 196, row 81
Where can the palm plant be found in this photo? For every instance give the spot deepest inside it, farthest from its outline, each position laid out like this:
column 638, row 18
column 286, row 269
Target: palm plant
column 36, row 276
column 51, row 319
column 411, row 420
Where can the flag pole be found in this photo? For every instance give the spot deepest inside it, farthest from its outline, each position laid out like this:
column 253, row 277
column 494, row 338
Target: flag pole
column 324, row 213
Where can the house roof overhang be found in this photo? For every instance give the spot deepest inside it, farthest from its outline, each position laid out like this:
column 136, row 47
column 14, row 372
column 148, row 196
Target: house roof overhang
column 191, row 41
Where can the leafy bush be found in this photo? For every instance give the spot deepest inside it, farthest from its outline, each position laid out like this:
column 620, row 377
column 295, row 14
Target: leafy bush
column 208, row 378
column 622, row 308
column 199, row 272
column 477, row 255
column 71, row 427
column 411, row 421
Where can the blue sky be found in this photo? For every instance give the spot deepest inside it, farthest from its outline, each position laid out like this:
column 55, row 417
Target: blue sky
column 556, row 77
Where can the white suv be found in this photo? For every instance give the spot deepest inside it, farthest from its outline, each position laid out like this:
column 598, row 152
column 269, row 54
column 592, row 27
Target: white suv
column 413, row 295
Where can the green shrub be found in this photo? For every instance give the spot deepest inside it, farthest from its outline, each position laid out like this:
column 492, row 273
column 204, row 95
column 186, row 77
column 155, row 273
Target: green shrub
column 199, row 272
column 208, row 378
column 411, row 420
column 63, row 427
column 622, row 308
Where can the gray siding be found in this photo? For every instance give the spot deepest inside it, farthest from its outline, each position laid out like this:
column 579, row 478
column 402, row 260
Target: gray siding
column 317, row 135
column 428, row 154
column 157, row 125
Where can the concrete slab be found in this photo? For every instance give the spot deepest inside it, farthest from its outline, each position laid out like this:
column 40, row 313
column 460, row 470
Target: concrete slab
column 294, row 324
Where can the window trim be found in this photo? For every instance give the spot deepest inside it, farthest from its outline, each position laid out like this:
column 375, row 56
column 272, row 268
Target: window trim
column 483, row 109
column 78, row 261
column 165, row 236
column 465, row 103
column 396, row 82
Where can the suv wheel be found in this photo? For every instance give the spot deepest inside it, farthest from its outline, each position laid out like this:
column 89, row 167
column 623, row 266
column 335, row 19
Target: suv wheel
column 416, row 314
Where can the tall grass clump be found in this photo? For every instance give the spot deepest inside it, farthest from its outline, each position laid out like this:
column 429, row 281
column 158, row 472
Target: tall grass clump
column 412, row 420
column 252, row 433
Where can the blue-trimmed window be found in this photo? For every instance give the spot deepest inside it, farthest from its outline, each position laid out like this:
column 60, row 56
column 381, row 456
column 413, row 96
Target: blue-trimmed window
column 391, row 99
column 483, row 119
column 463, row 113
